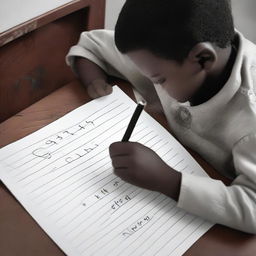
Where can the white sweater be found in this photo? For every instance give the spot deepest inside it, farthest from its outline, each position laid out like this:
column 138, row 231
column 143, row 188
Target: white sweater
column 222, row 130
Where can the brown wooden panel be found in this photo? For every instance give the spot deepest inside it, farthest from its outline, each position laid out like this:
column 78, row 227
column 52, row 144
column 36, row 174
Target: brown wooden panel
column 33, row 65
column 97, row 6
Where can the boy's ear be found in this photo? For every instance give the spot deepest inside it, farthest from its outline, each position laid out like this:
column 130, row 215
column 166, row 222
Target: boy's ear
column 204, row 54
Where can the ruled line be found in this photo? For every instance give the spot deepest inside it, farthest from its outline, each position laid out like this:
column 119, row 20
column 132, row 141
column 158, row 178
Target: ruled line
column 189, row 235
column 144, row 227
column 148, row 133
column 80, row 138
column 45, row 184
column 67, row 202
column 3, row 159
column 62, row 158
column 168, row 241
column 76, row 166
column 149, row 225
column 156, row 220
column 164, row 232
column 74, row 174
column 82, row 212
column 74, row 182
column 63, row 173
column 112, row 229
column 101, row 216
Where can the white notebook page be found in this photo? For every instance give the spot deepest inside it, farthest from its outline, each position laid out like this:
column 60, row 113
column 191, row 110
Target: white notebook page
column 62, row 175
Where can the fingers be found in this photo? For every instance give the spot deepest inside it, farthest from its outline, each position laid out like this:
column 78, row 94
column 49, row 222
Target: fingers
column 91, row 91
column 124, row 174
column 122, row 168
column 122, row 148
column 121, row 162
column 99, row 88
column 108, row 89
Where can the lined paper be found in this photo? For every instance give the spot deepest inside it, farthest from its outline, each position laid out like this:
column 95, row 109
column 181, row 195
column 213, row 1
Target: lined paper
column 62, row 175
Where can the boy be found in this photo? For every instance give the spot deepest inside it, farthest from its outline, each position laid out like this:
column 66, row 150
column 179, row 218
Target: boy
column 186, row 54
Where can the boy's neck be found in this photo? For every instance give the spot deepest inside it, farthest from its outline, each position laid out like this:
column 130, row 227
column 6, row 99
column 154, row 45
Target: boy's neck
column 218, row 77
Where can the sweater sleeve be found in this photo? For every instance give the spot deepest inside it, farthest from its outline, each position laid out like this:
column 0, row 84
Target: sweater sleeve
column 99, row 47
column 234, row 205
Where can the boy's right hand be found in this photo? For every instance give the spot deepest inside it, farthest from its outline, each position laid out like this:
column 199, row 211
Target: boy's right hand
column 99, row 88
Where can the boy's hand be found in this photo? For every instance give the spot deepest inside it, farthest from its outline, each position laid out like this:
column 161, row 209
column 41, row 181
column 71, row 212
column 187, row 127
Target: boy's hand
column 92, row 77
column 142, row 167
column 98, row 88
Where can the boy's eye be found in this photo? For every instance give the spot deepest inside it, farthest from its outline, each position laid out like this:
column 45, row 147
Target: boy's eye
column 161, row 81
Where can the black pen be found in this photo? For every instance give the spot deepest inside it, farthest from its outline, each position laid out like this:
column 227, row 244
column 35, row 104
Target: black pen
column 134, row 120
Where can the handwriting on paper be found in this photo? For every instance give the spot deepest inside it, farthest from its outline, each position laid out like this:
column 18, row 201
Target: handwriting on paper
column 103, row 192
column 80, row 153
column 136, row 226
column 116, row 204
column 45, row 151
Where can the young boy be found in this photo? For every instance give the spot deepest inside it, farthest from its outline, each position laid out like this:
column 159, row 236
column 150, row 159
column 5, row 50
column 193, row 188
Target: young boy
column 186, row 54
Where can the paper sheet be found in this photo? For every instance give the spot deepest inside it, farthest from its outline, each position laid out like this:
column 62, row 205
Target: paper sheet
column 62, row 175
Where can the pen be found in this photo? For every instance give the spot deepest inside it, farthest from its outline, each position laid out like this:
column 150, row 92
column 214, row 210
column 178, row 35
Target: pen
column 134, row 120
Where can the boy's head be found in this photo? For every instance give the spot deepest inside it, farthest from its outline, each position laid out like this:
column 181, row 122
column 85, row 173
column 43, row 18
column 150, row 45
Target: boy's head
column 176, row 43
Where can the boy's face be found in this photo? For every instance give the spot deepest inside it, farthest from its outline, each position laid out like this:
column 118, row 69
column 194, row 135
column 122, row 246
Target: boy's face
column 180, row 81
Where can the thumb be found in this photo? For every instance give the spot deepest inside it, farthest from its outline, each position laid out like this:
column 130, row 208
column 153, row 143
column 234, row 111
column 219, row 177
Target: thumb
column 108, row 89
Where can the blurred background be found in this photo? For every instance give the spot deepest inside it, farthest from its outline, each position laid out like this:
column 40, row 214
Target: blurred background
column 245, row 18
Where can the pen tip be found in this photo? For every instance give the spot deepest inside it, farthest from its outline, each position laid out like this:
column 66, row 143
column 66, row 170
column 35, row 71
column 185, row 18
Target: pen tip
column 143, row 102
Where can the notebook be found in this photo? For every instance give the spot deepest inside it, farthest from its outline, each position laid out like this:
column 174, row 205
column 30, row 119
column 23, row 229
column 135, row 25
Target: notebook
column 62, row 175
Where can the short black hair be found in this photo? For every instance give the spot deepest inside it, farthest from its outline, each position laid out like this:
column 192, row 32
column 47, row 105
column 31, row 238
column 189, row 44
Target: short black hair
column 170, row 28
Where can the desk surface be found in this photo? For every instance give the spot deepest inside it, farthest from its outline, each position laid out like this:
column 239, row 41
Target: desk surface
column 21, row 235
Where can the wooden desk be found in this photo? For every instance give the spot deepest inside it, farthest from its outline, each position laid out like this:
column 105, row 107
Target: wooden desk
column 21, row 235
